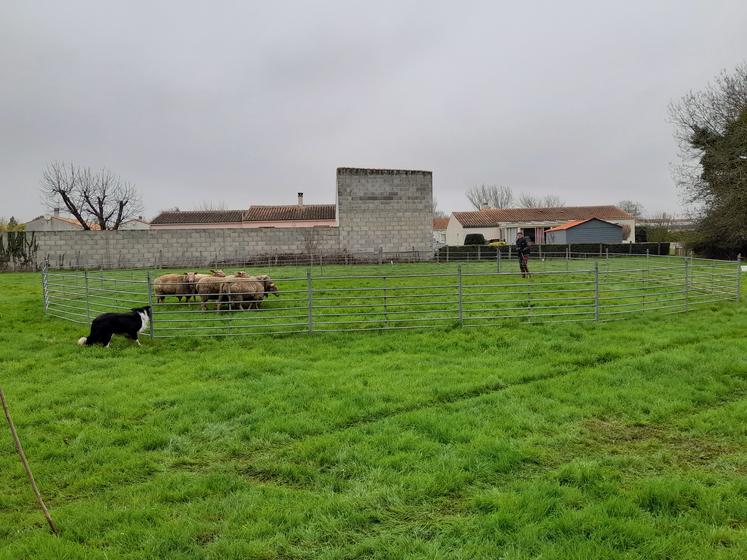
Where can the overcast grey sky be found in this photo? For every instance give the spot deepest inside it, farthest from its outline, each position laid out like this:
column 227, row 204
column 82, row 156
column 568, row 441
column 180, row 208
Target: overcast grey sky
column 240, row 103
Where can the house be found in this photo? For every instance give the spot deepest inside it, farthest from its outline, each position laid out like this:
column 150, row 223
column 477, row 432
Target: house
column 439, row 231
column 55, row 222
column 503, row 223
column 292, row 215
column 592, row 230
column 135, row 223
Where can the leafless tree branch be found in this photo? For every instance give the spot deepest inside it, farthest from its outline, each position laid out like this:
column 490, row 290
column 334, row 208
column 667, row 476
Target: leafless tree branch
column 99, row 198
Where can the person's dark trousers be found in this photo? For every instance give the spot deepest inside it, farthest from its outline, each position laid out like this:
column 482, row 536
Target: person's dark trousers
column 523, row 260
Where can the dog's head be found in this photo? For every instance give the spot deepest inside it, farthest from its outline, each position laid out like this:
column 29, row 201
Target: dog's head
column 145, row 310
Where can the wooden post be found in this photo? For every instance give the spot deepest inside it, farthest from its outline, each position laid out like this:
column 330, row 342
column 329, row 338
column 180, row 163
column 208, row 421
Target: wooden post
column 25, row 463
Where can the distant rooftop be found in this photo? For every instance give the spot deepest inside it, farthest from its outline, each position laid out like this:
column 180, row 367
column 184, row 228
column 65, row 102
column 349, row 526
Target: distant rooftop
column 284, row 213
column 491, row 217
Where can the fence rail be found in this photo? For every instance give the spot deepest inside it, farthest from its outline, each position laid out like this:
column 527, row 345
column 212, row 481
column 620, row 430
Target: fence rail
column 579, row 287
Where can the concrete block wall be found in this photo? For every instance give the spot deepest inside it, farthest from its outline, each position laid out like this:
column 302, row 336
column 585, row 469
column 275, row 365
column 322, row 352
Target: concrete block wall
column 377, row 209
column 177, row 247
column 387, row 208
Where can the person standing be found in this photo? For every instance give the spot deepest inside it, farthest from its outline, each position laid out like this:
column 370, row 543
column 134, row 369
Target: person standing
column 522, row 251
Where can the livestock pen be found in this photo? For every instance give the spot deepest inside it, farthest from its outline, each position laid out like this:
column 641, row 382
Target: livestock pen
column 571, row 287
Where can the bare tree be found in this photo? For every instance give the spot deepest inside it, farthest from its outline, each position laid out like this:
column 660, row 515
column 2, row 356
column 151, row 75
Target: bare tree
column 552, row 201
column 437, row 213
column 633, row 208
column 208, row 205
column 99, row 198
column 527, row 200
column 660, row 228
column 494, row 196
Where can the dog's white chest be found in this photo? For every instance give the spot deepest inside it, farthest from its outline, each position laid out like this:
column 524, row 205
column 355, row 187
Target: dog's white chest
column 144, row 320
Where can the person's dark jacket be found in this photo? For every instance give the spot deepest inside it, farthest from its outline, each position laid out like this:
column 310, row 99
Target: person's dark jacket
column 522, row 246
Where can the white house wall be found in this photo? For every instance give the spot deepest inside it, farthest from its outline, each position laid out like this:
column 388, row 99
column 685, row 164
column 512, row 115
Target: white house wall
column 455, row 232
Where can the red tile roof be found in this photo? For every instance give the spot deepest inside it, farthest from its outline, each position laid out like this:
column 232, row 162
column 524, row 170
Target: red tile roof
column 307, row 212
column 198, row 217
column 491, row 217
column 574, row 223
column 440, row 224
column 291, row 212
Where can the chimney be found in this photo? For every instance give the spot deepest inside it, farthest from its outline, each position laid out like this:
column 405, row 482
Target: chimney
column 484, row 205
column 300, row 199
column 57, row 211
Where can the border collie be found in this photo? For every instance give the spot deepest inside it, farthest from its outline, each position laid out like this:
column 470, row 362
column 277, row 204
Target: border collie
column 106, row 325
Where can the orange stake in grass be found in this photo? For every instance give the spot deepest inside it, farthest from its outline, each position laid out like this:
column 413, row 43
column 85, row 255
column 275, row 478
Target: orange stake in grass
column 22, row 455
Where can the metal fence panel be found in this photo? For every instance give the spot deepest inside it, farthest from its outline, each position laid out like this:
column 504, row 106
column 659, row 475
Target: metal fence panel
column 373, row 296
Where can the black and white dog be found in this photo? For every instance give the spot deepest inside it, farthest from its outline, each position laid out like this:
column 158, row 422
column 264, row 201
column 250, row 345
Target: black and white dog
column 106, row 325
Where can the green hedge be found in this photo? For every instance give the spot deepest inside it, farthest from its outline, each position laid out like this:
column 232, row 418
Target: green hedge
column 486, row 251
column 474, row 239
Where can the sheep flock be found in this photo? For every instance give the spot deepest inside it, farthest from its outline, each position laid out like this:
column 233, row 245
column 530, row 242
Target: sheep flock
column 234, row 292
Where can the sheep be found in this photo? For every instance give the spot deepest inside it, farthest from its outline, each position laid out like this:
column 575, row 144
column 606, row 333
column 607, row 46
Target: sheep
column 236, row 291
column 209, row 285
column 246, row 292
column 179, row 285
column 268, row 285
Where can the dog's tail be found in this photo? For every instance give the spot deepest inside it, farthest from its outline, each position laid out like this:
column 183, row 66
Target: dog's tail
column 82, row 341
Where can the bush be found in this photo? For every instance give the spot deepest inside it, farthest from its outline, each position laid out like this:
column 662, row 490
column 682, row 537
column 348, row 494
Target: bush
column 474, row 239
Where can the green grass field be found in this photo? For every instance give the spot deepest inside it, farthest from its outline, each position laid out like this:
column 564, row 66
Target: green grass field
column 575, row 440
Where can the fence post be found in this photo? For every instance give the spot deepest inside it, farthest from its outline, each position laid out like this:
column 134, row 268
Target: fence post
column 45, row 283
column 150, row 303
column 479, row 256
column 459, row 292
column 644, row 274
column 498, row 259
column 596, row 291
column 386, row 311
column 687, row 284
column 309, row 296
column 88, row 297
column 739, row 276
column 447, row 253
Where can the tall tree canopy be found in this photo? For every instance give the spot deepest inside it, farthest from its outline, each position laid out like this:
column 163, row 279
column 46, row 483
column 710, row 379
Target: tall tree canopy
column 711, row 126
